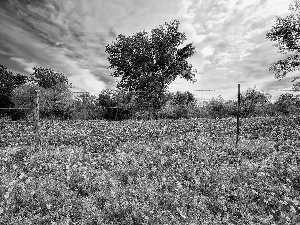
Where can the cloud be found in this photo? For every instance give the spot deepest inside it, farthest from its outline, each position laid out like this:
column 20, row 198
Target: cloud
column 70, row 37
column 51, row 45
column 207, row 51
column 28, row 65
column 236, row 32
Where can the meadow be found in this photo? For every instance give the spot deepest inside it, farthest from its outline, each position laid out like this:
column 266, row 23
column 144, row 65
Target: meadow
column 186, row 171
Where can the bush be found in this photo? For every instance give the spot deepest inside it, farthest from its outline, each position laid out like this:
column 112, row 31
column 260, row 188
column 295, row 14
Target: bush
column 179, row 111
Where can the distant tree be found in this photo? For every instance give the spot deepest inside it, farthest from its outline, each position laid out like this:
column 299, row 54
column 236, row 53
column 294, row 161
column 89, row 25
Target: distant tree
column 230, row 108
column 85, row 107
column 105, row 98
column 8, row 82
column 178, row 105
column 288, row 104
column 149, row 62
column 56, row 97
column 253, row 102
column 115, row 104
column 216, row 107
column 184, row 98
column 47, row 78
column 54, row 103
column 286, row 34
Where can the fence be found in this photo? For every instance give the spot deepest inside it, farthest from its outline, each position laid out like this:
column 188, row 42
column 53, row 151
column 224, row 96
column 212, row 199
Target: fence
column 35, row 118
column 85, row 95
column 238, row 110
column 238, row 113
column 239, row 107
column 37, row 125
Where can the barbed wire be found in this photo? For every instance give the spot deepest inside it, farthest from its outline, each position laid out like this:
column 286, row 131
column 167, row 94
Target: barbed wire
column 102, row 89
column 286, row 90
column 228, row 90
column 208, row 90
column 13, row 108
column 217, row 90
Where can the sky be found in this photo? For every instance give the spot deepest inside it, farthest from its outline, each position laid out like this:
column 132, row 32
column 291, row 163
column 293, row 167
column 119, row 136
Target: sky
column 70, row 36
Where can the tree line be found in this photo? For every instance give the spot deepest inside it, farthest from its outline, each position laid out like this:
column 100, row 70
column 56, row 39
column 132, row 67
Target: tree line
column 58, row 102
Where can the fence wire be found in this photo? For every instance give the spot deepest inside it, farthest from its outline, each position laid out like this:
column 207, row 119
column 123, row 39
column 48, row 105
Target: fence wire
column 150, row 107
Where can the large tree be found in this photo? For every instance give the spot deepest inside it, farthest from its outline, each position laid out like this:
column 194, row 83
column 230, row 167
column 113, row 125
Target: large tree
column 286, row 34
column 149, row 61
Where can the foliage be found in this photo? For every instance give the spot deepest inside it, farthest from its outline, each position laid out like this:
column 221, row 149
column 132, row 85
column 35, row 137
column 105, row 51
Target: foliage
column 8, row 82
column 85, row 107
column 184, row 98
column 56, row 103
column 216, row 107
column 47, row 78
column 55, row 96
column 118, row 104
column 288, row 104
column 175, row 105
column 149, row 62
column 253, row 102
column 230, row 108
column 152, row 172
column 56, row 100
column 53, row 102
column 286, row 33
column 170, row 111
column 115, row 104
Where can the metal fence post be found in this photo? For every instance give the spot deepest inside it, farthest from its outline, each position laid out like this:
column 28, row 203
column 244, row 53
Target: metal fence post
column 238, row 116
column 36, row 119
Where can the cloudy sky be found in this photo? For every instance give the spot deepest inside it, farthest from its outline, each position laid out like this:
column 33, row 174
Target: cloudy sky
column 70, row 36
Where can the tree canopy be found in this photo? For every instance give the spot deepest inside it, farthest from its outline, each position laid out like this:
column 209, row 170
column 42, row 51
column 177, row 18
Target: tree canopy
column 53, row 102
column 184, row 98
column 286, row 34
column 288, row 104
column 8, row 82
column 252, row 101
column 55, row 95
column 47, row 78
column 149, row 61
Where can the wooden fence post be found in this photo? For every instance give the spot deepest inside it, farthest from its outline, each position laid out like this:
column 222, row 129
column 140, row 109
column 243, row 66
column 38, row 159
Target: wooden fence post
column 36, row 119
column 238, row 116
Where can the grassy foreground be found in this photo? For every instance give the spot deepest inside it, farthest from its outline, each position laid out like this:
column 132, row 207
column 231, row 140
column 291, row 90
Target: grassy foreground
column 152, row 172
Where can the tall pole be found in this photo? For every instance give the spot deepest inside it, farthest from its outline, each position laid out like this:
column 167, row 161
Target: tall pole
column 238, row 115
column 84, row 103
column 36, row 119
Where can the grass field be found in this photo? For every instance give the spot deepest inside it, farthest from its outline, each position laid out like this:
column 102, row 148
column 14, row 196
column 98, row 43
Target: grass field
column 185, row 171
